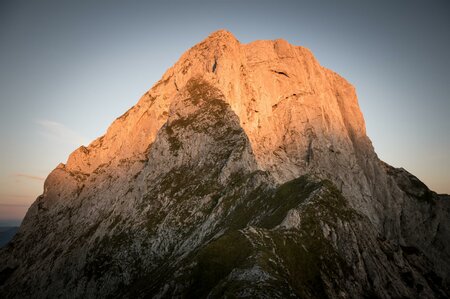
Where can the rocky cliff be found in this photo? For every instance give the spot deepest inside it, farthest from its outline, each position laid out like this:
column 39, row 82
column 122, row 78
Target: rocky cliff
column 244, row 172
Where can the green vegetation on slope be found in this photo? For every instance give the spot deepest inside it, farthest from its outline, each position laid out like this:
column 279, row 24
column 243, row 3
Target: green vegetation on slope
column 295, row 259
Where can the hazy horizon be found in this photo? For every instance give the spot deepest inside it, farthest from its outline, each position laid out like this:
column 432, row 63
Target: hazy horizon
column 69, row 69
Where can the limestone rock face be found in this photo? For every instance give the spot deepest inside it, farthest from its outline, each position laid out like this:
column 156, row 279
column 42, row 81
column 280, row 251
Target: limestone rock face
column 244, row 172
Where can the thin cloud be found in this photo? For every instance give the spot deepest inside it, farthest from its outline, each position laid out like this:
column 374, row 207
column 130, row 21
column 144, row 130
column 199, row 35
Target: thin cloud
column 58, row 132
column 16, row 199
column 15, row 205
column 29, row 176
column 16, row 196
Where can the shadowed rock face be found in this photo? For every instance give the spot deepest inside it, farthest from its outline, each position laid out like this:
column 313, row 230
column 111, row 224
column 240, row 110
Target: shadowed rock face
column 244, row 172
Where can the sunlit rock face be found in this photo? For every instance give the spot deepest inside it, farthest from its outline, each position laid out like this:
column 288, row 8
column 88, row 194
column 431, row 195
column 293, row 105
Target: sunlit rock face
column 244, row 172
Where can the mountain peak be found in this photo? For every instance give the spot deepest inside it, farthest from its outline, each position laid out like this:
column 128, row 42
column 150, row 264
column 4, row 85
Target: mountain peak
column 244, row 172
column 222, row 34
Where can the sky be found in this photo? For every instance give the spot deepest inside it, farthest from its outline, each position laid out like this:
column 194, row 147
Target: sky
column 69, row 68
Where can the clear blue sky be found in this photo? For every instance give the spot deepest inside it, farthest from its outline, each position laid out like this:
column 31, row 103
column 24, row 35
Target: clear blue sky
column 69, row 68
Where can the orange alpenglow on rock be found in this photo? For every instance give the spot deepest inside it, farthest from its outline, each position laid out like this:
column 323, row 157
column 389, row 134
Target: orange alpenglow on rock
column 286, row 102
column 245, row 171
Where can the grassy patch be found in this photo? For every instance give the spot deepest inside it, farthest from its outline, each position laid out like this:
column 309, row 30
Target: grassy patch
column 216, row 260
column 174, row 144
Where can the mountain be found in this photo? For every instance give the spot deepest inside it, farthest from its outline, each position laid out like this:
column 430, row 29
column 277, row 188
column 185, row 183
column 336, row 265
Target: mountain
column 245, row 171
column 6, row 234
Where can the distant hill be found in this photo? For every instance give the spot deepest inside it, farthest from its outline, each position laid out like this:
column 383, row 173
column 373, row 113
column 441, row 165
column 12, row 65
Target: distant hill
column 6, row 234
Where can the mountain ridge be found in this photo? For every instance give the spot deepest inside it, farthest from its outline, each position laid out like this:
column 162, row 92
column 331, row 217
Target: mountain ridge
column 255, row 144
